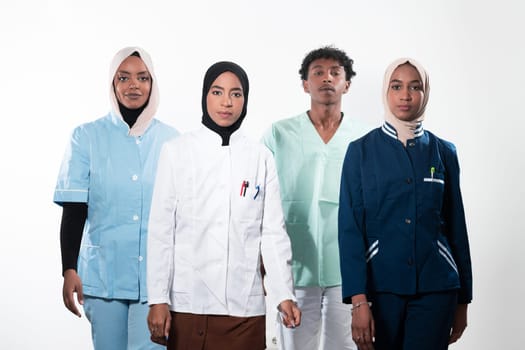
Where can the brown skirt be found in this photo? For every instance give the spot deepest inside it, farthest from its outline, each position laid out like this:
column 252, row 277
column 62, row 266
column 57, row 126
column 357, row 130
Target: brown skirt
column 216, row 332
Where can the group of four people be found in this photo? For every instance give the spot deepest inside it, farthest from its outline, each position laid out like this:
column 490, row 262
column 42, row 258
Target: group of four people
column 357, row 238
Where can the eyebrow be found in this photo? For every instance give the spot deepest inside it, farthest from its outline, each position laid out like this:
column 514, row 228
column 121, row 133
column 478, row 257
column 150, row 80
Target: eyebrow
column 331, row 67
column 410, row 82
column 221, row 88
column 139, row 73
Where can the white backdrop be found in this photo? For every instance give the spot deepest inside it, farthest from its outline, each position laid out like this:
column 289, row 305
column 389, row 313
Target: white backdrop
column 54, row 61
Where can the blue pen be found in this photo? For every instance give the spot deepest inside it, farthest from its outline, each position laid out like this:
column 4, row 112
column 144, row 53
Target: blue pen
column 256, row 193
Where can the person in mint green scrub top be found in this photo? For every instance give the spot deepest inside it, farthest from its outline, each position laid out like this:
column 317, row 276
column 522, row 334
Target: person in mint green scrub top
column 309, row 151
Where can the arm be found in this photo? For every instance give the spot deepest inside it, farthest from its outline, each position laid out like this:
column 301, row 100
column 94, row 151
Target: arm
column 352, row 248
column 72, row 225
column 456, row 231
column 276, row 249
column 160, row 247
column 71, row 193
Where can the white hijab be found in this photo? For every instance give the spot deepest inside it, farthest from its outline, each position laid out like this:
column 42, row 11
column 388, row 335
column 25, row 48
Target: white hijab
column 148, row 113
column 405, row 129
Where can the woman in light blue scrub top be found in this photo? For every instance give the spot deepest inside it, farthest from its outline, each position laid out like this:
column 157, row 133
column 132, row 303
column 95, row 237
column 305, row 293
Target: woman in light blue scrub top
column 105, row 186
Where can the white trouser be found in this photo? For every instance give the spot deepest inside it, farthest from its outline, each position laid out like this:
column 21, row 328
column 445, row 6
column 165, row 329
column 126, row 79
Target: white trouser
column 325, row 322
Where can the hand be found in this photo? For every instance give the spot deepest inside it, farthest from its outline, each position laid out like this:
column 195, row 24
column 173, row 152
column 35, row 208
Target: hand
column 291, row 314
column 72, row 285
column 159, row 323
column 460, row 323
column 363, row 328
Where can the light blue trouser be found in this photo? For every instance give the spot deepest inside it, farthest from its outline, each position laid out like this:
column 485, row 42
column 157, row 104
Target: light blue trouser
column 119, row 324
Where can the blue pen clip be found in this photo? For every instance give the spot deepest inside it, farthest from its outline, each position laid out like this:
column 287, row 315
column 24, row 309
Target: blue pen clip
column 257, row 193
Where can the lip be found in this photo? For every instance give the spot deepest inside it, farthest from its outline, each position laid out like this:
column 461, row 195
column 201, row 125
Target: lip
column 404, row 108
column 327, row 88
column 224, row 115
column 133, row 96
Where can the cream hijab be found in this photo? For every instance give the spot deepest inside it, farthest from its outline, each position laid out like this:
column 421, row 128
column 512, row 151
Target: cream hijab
column 405, row 129
column 148, row 113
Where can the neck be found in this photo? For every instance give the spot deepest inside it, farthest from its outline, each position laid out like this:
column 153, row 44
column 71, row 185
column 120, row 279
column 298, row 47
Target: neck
column 325, row 116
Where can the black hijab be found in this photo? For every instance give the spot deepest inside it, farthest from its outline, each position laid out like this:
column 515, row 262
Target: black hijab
column 211, row 74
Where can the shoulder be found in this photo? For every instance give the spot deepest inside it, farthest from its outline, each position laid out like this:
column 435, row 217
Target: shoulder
column 289, row 124
column 367, row 138
column 356, row 125
column 164, row 128
column 94, row 127
column 284, row 130
column 444, row 145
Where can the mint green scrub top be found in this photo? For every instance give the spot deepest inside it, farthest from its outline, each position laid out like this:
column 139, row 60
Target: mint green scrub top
column 309, row 175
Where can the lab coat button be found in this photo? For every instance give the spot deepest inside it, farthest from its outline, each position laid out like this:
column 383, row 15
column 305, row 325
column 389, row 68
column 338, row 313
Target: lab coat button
column 408, row 221
column 134, row 177
column 141, row 258
column 409, row 180
column 412, row 144
column 135, row 217
column 137, row 141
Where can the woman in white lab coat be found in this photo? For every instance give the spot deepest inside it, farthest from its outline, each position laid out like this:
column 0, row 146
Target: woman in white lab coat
column 216, row 216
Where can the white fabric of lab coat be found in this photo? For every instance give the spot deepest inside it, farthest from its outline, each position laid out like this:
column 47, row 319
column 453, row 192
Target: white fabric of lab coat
column 206, row 239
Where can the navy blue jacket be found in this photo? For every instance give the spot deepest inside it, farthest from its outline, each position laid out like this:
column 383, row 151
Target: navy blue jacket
column 402, row 225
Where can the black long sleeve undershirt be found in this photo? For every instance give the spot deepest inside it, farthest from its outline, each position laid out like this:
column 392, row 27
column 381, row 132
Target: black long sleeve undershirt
column 74, row 217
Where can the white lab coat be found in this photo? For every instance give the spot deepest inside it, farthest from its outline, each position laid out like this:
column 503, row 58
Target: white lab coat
column 207, row 235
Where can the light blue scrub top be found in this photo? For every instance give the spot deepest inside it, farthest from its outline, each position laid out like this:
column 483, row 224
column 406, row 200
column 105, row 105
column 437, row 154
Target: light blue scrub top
column 113, row 173
column 309, row 175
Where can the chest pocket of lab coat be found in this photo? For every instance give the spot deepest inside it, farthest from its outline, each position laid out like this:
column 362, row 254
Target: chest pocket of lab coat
column 247, row 202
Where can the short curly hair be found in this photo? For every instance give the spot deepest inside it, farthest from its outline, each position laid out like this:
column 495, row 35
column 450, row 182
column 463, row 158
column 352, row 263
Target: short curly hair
column 327, row 52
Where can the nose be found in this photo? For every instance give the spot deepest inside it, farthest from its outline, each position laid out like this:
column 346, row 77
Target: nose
column 226, row 100
column 133, row 84
column 405, row 95
column 327, row 78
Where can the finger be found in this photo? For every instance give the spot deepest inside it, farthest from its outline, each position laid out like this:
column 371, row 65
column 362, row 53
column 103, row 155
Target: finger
column 80, row 294
column 454, row 337
column 73, row 308
column 69, row 302
column 167, row 326
column 286, row 320
column 159, row 340
column 297, row 316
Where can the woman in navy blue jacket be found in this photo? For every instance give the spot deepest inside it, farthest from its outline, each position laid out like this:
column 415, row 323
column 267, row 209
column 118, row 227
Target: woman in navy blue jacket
column 404, row 251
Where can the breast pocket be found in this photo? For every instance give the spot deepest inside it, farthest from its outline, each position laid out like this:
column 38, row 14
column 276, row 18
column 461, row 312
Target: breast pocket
column 247, row 203
column 434, row 188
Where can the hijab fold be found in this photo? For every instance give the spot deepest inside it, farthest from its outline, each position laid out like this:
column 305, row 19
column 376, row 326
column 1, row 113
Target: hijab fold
column 211, row 74
column 406, row 130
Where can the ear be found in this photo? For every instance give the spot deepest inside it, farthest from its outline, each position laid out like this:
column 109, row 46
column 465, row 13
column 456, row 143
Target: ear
column 306, row 88
column 347, row 87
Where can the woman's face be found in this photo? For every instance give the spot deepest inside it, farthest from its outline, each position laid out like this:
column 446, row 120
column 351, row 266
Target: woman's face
column 225, row 99
column 405, row 92
column 132, row 83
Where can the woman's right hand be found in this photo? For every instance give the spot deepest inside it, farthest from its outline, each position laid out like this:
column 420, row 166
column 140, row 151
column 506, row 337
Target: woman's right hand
column 363, row 329
column 159, row 323
column 72, row 285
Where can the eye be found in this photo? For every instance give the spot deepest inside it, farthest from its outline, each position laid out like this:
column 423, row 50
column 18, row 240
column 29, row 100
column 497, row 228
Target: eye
column 122, row 78
column 395, row 87
column 237, row 94
column 318, row 73
column 216, row 92
column 146, row 78
column 416, row 87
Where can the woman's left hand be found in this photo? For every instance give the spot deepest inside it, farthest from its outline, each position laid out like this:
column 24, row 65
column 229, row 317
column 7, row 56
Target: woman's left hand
column 460, row 323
